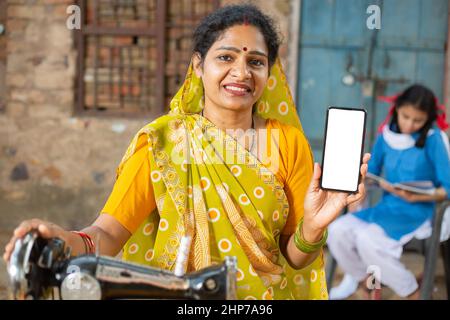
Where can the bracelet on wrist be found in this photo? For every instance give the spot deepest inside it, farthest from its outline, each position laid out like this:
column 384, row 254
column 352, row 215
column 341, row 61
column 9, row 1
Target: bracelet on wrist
column 306, row 246
column 89, row 246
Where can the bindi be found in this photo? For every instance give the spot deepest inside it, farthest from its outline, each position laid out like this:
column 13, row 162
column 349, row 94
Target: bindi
column 246, row 23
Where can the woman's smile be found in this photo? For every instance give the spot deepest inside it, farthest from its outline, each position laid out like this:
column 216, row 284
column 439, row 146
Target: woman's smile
column 236, row 89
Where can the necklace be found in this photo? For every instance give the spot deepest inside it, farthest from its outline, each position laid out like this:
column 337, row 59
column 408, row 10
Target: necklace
column 253, row 132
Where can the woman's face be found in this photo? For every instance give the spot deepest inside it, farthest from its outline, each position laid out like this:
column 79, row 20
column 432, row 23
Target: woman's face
column 235, row 69
column 410, row 119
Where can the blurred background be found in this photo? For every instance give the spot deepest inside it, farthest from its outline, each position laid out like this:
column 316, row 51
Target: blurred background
column 72, row 99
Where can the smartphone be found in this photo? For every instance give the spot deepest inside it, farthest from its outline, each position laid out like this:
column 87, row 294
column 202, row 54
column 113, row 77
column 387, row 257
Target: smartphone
column 343, row 149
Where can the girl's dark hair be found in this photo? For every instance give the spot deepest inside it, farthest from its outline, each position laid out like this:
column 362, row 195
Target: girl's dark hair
column 213, row 25
column 423, row 99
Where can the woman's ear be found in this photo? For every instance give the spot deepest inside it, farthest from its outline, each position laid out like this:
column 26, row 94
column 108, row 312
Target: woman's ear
column 197, row 63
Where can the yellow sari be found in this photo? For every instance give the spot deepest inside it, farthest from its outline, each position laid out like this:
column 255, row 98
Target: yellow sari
column 235, row 209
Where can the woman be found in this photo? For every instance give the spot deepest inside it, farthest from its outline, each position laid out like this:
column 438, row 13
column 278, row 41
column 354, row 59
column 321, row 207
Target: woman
column 208, row 180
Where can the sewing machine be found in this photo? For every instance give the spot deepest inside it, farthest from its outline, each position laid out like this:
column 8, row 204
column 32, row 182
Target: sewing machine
column 44, row 269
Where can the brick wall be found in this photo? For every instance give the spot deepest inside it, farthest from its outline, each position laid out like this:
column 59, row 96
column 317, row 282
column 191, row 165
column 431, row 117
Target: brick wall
column 52, row 165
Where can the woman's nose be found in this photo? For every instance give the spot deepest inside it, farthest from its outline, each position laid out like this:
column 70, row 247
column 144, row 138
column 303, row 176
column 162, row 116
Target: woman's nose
column 241, row 71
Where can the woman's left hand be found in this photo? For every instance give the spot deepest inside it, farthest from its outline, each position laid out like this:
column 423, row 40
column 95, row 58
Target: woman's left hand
column 323, row 206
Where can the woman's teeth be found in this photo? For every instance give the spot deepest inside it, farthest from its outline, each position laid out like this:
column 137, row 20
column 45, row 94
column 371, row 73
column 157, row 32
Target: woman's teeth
column 233, row 88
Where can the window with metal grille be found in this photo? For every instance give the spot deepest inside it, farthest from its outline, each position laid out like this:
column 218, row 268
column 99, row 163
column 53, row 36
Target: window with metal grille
column 133, row 54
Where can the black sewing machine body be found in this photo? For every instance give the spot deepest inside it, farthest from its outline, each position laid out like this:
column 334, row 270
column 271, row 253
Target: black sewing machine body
column 43, row 269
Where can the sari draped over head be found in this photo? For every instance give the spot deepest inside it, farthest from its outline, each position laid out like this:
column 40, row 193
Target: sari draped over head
column 226, row 209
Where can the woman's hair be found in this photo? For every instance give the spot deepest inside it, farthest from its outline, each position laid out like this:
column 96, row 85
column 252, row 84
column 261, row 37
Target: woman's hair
column 423, row 99
column 216, row 23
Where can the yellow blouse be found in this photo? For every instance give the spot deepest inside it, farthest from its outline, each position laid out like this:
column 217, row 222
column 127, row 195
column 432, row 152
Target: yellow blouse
column 132, row 198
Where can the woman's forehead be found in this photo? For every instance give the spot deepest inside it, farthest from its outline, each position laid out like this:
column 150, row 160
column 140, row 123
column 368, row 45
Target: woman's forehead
column 242, row 36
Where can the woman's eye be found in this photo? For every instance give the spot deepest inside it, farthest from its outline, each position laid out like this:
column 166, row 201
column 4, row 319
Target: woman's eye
column 256, row 62
column 225, row 58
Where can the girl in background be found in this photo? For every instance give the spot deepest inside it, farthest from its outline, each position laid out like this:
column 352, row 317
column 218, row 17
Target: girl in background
column 409, row 147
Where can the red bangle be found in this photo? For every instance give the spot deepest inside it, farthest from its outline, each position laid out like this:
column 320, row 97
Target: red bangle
column 89, row 245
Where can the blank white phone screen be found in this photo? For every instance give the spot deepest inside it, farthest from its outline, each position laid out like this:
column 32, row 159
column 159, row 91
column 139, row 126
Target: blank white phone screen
column 343, row 146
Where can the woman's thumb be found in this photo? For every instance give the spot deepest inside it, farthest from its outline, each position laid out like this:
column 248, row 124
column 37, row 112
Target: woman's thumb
column 315, row 181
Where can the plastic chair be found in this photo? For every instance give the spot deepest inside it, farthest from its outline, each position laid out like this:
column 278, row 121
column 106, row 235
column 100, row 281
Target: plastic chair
column 431, row 254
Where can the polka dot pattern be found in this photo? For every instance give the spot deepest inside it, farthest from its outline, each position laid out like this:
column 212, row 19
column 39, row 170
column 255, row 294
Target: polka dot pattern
column 239, row 275
column 275, row 215
column 225, row 245
column 283, row 283
column 244, row 200
column 148, row 229
column 133, row 248
column 313, row 275
column 149, row 255
column 236, row 170
column 252, row 271
column 283, row 108
column 184, row 165
column 163, row 224
column 155, row 176
column 298, row 279
column 213, row 214
column 205, row 183
column 258, row 192
column 271, row 83
column 261, row 107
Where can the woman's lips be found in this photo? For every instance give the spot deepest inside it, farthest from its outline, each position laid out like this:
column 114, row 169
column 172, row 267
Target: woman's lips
column 237, row 89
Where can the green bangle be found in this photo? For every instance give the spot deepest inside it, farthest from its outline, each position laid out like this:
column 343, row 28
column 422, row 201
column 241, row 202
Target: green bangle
column 305, row 246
